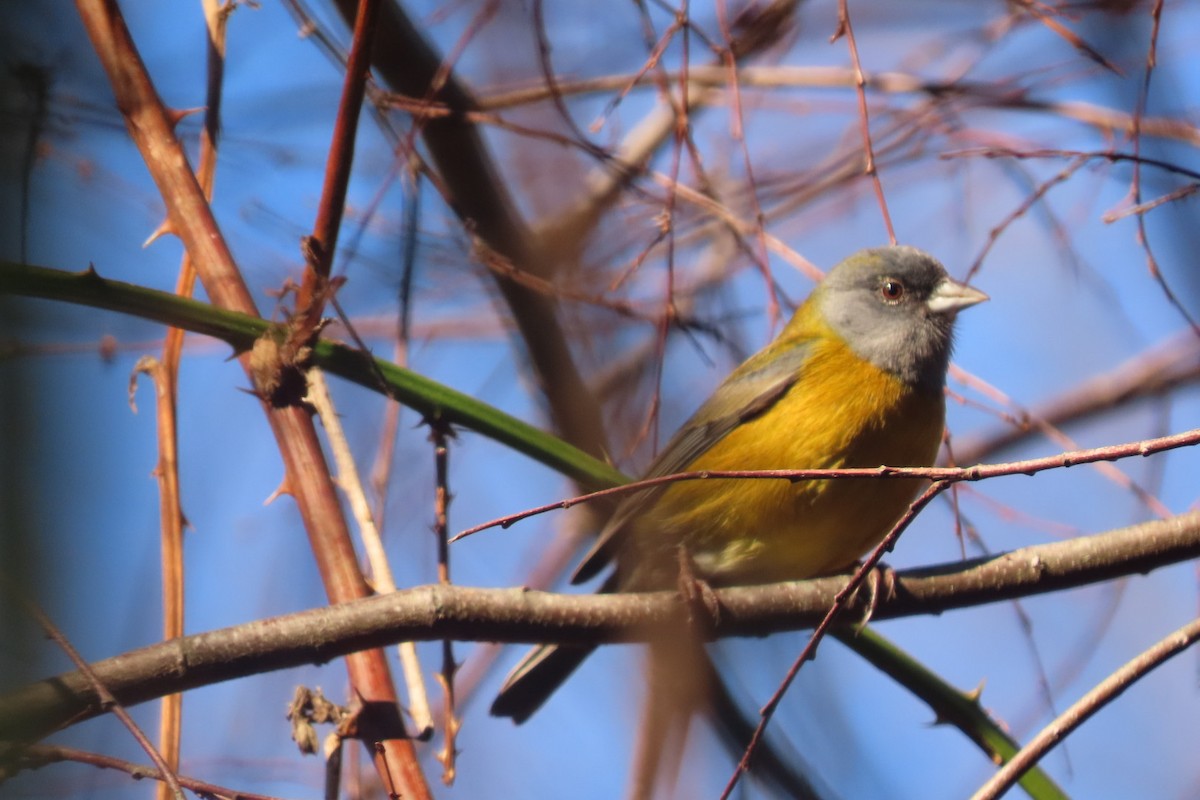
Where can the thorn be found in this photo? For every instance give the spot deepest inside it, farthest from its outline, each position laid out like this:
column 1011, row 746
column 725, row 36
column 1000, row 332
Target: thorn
column 176, row 115
column 162, row 230
column 697, row 593
column 280, row 490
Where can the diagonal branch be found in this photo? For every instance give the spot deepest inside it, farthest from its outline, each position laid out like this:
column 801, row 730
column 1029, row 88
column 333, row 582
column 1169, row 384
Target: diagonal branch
column 151, row 127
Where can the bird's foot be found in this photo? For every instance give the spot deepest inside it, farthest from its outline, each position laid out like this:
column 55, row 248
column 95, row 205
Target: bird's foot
column 701, row 601
column 880, row 582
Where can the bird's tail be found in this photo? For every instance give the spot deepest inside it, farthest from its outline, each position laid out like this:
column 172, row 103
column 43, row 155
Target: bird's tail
column 537, row 677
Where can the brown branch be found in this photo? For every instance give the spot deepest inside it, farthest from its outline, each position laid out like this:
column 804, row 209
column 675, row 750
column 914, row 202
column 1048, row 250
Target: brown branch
column 844, row 28
column 782, row 17
column 322, row 244
column 104, row 696
column 172, row 521
column 1083, row 709
column 980, row 94
column 1097, row 155
column 436, row 612
column 439, row 435
column 1172, row 196
column 1022, row 208
column 1045, row 15
column 951, row 475
column 1135, row 189
column 39, row 755
column 189, row 216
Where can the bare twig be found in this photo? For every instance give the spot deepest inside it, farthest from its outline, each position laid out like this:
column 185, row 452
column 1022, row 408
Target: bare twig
column 166, row 380
column 322, row 244
column 845, row 28
column 1101, row 695
column 39, row 754
column 1135, row 188
column 105, row 697
column 1002, row 95
column 382, row 579
column 1045, row 15
column 947, row 474
column 439, row 435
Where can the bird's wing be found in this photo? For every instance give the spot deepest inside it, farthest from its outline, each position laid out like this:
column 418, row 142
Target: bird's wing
column 750, row 390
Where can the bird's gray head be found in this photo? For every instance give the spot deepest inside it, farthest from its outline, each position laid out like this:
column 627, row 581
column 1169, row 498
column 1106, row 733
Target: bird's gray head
column 895, row 307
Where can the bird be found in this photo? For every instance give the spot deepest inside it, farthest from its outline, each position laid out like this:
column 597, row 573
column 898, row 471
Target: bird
column 855, row 378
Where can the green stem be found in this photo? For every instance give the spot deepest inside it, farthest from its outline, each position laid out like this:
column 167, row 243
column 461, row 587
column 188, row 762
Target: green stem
column 960, row 709
column 429, row 398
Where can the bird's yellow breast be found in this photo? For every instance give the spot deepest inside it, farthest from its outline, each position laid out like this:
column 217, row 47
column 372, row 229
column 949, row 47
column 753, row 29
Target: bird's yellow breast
column 842, row 412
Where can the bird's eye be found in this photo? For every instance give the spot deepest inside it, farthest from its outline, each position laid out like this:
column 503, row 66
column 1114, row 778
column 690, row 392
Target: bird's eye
column 891, row 290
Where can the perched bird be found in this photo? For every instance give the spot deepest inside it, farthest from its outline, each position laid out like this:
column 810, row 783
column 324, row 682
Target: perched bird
column 855, row 379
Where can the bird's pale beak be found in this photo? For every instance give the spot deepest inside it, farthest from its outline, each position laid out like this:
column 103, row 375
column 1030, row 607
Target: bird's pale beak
column 950, row 297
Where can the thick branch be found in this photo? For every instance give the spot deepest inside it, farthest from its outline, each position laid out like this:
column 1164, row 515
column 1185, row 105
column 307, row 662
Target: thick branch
column 516, row 615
